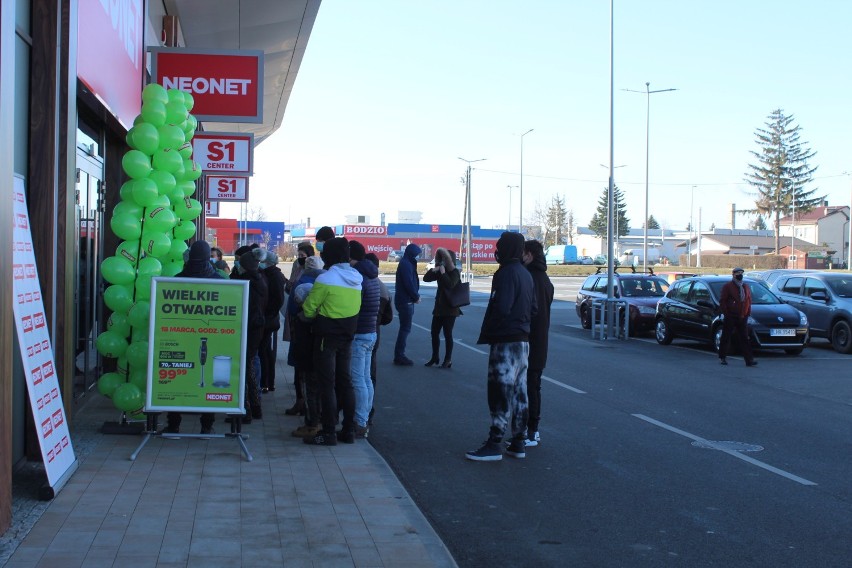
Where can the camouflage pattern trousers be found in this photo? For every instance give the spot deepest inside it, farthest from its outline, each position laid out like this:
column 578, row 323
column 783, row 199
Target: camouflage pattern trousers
column 507, row 389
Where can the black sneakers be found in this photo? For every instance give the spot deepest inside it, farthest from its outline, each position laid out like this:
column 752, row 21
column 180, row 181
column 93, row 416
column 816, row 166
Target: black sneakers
column 403, row 361
column 490, row 451
column 516, row 449
column 346, row 436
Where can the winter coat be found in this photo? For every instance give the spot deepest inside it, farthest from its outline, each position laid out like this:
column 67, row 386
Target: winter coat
column 407, row 281
column 198, row 263
column 446, row 281
column 370, row 297
column 512, row 302
column 258, row 294
column 335, row 301
column 540, row 323
column 732, row 305
column 275, row 283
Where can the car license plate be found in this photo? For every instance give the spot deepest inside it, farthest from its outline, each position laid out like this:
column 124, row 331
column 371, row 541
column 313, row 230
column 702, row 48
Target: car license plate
column 782, row 332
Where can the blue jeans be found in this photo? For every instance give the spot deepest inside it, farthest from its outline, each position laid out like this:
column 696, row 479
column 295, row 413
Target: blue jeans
column 362, row 355
column 405, row 312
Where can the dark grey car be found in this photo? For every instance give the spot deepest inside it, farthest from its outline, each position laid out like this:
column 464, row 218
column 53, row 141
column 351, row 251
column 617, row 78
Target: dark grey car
column 826, row 298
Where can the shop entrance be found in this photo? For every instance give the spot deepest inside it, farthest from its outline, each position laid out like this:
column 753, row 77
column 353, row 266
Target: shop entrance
column 89, row 217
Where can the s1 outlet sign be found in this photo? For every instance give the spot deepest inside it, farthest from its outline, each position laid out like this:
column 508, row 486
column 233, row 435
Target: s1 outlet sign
column 227, row 188
column 223, row 152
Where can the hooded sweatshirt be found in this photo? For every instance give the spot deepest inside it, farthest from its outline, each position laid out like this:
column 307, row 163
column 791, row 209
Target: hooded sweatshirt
column 198, row 263
column 335, row 301
column 407, row 282
column 512, row 302
column 540, row 324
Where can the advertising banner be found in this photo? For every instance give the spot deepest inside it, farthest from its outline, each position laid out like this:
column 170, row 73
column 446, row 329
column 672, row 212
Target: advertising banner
column 36, row 351
column 350, row 231
column 227, row 85
column 224, row 153
column 227, row 188
column 211, row 208
column 197, row 345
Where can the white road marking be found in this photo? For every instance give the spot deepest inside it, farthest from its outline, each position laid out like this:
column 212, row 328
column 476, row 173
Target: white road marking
column 563, row 385
column 733, row 453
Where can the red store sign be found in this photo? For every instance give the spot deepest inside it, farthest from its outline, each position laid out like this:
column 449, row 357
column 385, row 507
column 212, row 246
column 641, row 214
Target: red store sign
column 375, row 230
column 227, row 85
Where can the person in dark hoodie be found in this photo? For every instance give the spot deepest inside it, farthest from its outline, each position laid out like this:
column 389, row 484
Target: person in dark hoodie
column 333, row 304
column 249, row 269
column 506, row 328
column 365, row 336
column 535, row 262
column 407, row 294
column 196, row 265
column 276, row 282
column 444, row 315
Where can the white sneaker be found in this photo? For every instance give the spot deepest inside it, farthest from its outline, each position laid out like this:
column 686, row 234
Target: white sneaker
column 533, row 440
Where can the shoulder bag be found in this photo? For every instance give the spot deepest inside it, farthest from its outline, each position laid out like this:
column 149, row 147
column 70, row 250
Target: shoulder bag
column 458, row 295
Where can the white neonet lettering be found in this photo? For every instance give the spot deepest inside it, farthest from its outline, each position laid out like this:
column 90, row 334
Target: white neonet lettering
column 202, row 85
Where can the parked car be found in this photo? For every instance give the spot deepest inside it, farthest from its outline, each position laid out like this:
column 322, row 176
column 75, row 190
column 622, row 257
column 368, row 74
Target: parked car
column 395, row 255
column 826, row 299
column 600, row 260
column 672, row 277
column 770, row 276
column 640, row 291
column 587, row 260
column 690, row 310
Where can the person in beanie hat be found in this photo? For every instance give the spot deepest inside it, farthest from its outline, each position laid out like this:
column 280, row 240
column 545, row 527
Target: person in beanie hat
column 333, row 305
column 248, row 269
column 736, row 308
column 506, row 328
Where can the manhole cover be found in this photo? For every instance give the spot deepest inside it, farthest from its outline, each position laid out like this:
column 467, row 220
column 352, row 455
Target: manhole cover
column 727, row 445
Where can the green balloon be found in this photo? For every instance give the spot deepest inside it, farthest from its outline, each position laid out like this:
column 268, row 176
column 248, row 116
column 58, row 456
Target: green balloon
column 190, row 127
column 118, row 323
column 117, row 270
column 176, row 112
column 176, row 251
column 155, row 92
column 159, row 219
column 138, row 315
column 167, row 160
column 136, row 164
column 143, row 287
column 108, row 383
column 176, row 194
column 162, row 201
column 176, row 96
column 129, row 250
column 128, row 398
column 149, row 266
column 184, row 230
column 170, row 137
column 185, row 150
column 164, row 180
column 144, row 192
column 121, row 365
column 180, row 172
column 171, row 268
column 192, row 171
column 187, row 189
column 137, row 353
column 111, row 344
column 139, row 377
column 125, row 190
column 156, row 244
column 188, row 209
column 154, row 112
column 188, row 100
column 128, row 207
column 145, row 138
column 119, row 297
column 126, row 226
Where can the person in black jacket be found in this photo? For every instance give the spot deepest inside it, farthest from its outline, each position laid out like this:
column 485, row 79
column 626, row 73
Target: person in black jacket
column 506, row 328
column 444, row 315
column 406, row 294
column 275, row 284
column 248, row 269
column 535, row 262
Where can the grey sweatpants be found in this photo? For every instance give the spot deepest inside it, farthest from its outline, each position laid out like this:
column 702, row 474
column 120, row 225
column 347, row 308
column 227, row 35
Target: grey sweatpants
column 507, row 389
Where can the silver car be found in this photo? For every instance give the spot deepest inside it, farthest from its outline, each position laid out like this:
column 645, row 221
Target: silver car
column 826, row 298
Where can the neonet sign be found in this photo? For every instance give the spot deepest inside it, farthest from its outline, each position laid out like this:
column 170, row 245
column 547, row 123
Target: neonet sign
column 227, row 85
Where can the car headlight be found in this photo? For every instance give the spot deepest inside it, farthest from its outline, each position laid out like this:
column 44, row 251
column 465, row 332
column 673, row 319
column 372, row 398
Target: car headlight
column 752, row 321
column 803, row 319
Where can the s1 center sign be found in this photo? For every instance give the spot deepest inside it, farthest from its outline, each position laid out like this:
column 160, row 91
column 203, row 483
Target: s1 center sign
column 224, row 152
column 227, row 188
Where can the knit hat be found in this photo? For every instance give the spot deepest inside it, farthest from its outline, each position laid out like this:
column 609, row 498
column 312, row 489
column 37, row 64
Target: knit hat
column 313, row 263
column 356, row 251
column 248, row 262
column 271, row 257
column 325, row 234
column 241, row 251
column 336, row 251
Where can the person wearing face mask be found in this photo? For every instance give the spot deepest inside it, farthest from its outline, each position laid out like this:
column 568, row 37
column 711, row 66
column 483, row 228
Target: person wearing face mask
column 304, row 251
column 275, row 283
column 736, row 309
column 323, row 235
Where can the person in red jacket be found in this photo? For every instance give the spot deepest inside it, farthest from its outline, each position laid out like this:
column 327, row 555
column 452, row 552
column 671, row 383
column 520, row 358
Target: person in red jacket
column 736, row 308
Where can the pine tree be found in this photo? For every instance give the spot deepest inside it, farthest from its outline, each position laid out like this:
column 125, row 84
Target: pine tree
column 652, row 223
column 556, row 221
column 599, row 219
column 782, row 171
column 758, row 224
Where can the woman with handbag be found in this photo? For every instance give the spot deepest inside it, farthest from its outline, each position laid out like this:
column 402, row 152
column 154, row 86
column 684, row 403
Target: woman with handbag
column 444, row 314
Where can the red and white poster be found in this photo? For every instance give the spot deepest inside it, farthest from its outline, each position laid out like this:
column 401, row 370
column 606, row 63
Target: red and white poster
column 224, row 152
column 211, row 208
column 227, row 188
column 227, row 85
column 360, row 230
column 37, row 352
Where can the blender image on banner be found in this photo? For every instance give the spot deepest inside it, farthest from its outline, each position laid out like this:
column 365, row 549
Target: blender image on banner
column 202, row 358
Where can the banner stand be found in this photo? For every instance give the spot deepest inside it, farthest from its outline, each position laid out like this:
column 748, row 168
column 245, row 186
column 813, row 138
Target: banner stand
column 236, row 432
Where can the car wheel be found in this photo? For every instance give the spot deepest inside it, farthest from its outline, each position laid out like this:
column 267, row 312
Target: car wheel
column 585, row 318
column 717, row 338
column 663, row 332
column 841, row 337
column 795, row 351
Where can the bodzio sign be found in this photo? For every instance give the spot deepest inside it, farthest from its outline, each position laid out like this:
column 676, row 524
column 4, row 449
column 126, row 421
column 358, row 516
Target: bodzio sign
column 227, row 85
column 364, row 230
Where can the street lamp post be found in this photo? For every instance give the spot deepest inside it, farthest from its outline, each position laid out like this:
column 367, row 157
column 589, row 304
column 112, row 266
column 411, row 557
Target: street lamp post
column 521, row 188
column 689, row 248
column 509, row 224
column 467, row 209
column 648, row 92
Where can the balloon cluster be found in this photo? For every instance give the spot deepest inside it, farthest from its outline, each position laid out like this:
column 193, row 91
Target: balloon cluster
column 154, row 218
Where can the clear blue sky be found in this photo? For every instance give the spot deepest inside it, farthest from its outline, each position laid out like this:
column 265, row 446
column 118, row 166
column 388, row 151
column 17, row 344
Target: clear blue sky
column 391, row 92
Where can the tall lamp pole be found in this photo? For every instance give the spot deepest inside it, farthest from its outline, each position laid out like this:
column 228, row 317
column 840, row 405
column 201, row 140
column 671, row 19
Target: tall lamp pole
column 509, row 224
column 521, row 189
column 467, row 208
column 648, row 93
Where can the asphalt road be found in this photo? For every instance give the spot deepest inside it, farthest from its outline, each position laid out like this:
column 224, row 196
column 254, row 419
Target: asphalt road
column 650, row 455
